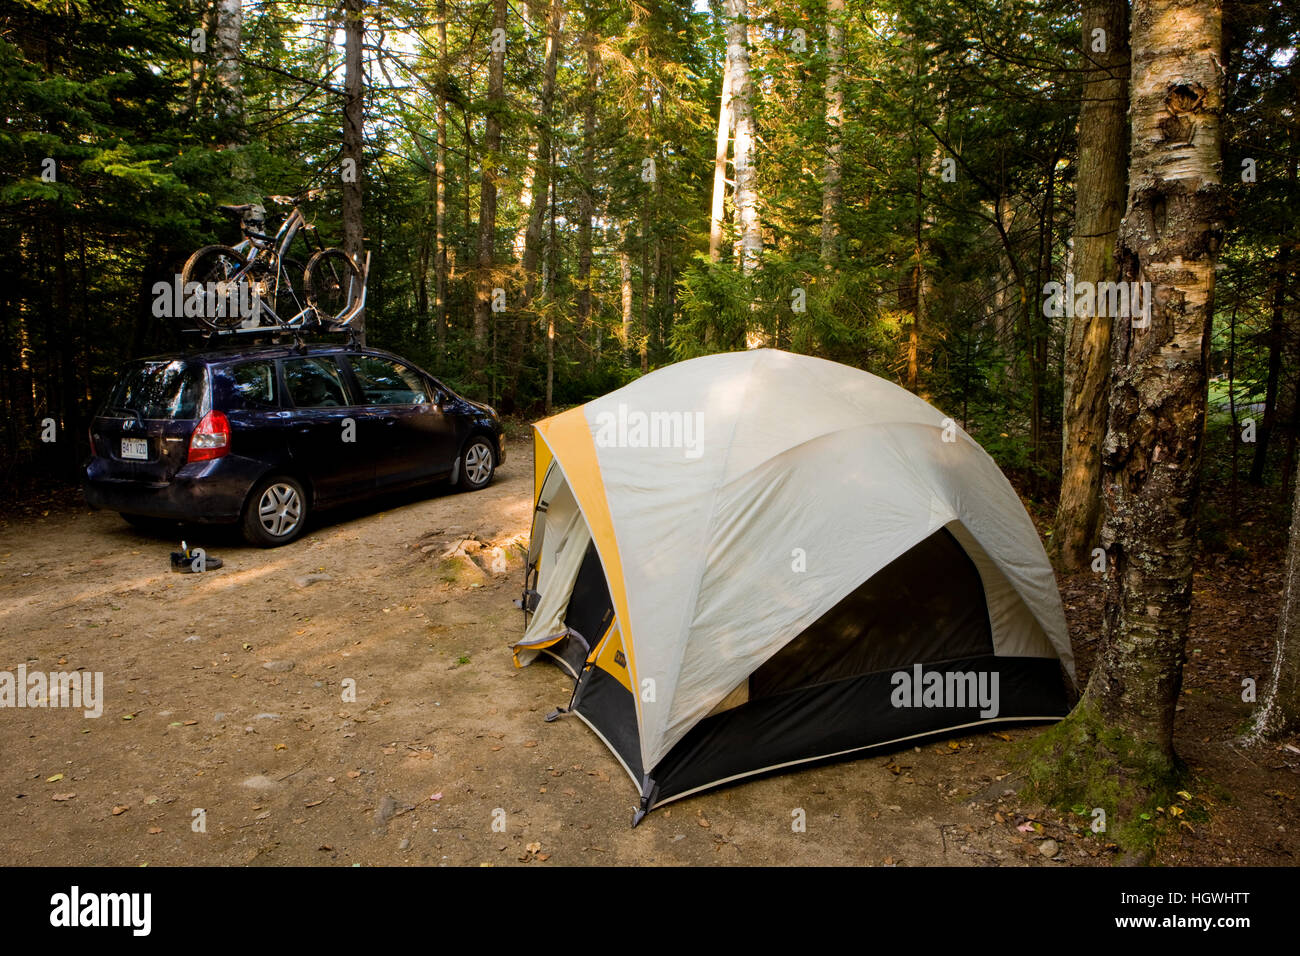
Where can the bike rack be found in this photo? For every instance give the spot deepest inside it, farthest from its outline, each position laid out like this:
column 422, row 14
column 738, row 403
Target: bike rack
column 360, row 304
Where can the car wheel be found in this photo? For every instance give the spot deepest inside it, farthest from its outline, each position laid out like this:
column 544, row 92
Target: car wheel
column 477, row 463
column 275, row 513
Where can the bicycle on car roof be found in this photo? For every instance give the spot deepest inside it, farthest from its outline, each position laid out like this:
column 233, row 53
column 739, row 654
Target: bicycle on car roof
column 255, row 280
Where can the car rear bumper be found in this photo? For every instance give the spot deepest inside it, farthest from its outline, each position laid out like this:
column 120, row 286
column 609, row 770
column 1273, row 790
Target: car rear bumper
column 208, row 492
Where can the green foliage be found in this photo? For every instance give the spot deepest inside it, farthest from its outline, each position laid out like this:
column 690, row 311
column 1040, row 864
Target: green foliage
column 958, row 145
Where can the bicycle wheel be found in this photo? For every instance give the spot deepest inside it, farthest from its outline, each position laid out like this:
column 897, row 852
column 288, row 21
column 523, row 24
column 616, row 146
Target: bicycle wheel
column 333, row 284
column 229, row 295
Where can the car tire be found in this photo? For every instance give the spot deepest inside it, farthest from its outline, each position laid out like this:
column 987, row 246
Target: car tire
column 275, row 513
column 478, row 463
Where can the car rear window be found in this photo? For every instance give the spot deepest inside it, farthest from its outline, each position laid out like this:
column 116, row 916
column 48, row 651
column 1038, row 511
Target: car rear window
column 158, row 390
column 247, row 386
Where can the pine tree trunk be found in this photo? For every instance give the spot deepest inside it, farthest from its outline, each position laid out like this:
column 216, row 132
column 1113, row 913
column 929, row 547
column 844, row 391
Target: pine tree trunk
column 834, row 124
column 717, row 211
column 1103, row 135
column 525, row 200
column 625, row 276
column 552, row 271
column 918, row 282
column 540, row 194
column 749, row 230
column 440, row 229
column 487, row 206
column 353, row 88
column 1151, row 460
column 643, row 337
column 586, row 205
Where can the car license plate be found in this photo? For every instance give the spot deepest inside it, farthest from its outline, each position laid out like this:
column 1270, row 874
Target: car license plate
column 137, row 448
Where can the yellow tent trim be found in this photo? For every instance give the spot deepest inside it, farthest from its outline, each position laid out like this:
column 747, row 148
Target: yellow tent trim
column 595, row 651
column 568, row 437
column 541, row 464
column 538, row 645
column 609, row 655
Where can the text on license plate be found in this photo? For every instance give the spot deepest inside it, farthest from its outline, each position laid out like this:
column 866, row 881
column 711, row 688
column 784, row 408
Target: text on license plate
column 137, row 448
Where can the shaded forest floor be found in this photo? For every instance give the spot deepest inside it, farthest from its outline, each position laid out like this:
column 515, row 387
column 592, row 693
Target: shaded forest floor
column 1245, row 801
column 224, row 694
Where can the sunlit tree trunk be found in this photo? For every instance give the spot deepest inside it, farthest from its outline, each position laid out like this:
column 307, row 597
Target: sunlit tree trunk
column 540, row 194
column 353, row 88
column 1103, row 135
column 717, row 211
column 586, row 205
column 831, row 188
column 749, row 231
column 229, row 74
column 625, row 283
column 487, row 212
column 1151, row 461
column 440, row 229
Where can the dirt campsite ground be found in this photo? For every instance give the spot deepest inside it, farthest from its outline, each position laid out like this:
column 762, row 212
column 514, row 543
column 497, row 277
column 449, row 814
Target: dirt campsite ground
column 226, row 737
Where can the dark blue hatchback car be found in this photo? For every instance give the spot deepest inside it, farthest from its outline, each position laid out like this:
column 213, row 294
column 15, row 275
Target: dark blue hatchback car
column 263, row 436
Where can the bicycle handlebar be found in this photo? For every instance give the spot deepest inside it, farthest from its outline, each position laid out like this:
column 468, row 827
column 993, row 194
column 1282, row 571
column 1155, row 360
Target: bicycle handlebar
column 295, row 200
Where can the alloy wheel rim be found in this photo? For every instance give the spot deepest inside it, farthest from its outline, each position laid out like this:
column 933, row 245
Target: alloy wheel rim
column 478, row 463
column 280, row 509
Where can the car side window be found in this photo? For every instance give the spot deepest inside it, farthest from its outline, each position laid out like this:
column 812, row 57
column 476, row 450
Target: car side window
column 252, row 385
column 388, row 383
column 314, row 383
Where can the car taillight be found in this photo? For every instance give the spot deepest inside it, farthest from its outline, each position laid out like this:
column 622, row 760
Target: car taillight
column 211, row 439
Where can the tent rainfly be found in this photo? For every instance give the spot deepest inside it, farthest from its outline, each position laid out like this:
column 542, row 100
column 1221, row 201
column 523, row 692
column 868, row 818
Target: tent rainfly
column 753, row 560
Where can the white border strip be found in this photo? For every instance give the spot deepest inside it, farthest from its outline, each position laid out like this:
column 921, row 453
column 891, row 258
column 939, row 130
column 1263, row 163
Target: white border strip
column 617, row 756
column 883, row 743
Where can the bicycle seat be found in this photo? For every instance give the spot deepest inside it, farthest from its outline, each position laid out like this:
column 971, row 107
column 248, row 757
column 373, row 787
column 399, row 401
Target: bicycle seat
column 237, row 210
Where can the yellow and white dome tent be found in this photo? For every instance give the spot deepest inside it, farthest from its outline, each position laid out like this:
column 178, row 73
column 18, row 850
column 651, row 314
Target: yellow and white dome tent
column 757, row 559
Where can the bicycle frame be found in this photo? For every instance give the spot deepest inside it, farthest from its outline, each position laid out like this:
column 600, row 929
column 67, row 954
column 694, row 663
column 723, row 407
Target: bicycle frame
column 276, row 249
